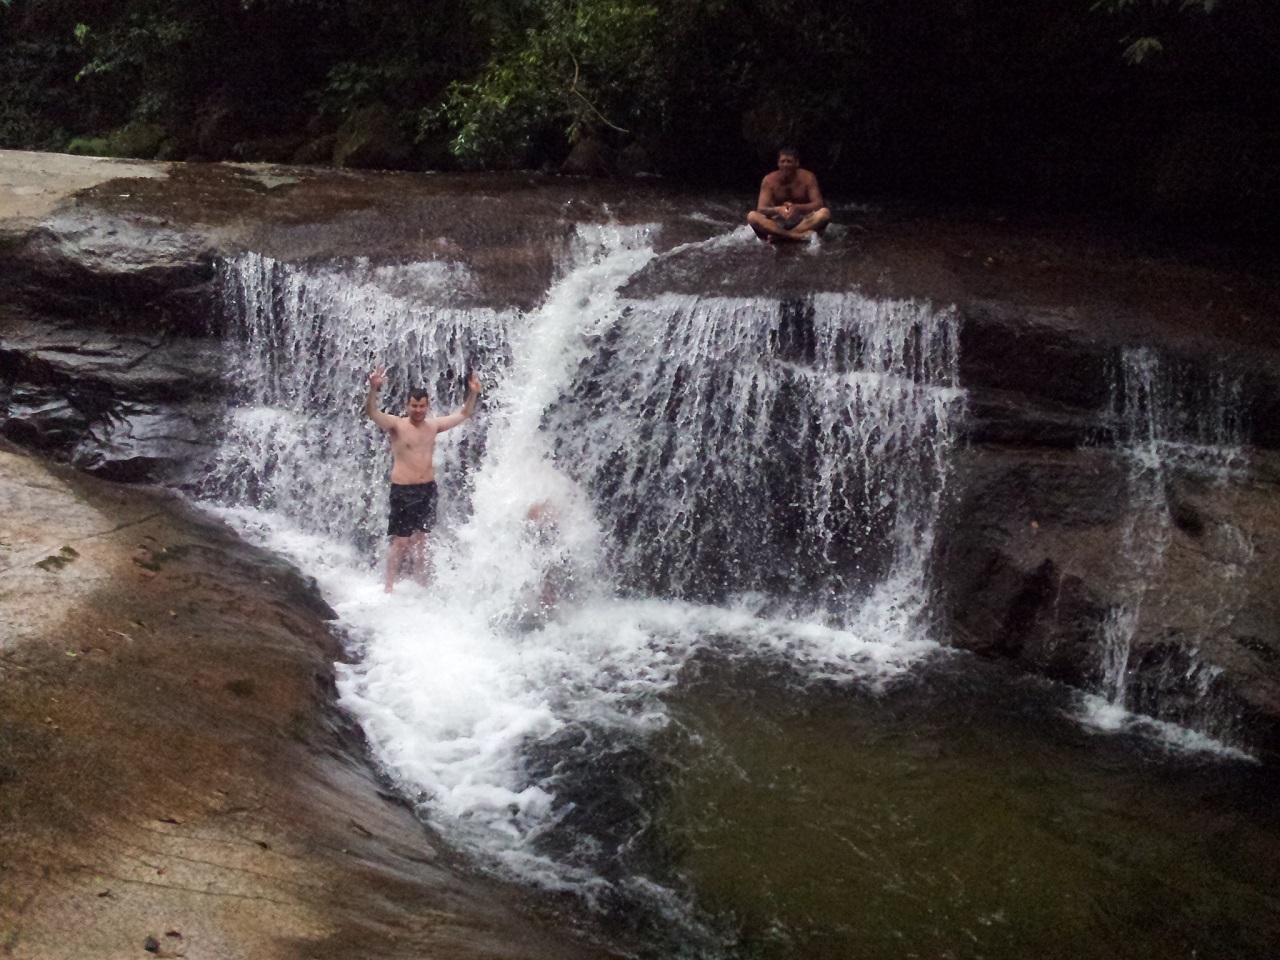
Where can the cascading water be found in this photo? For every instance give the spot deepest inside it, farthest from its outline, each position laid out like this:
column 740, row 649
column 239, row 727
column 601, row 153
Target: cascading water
column 296, row 441
column 793, row 448
column 1169, row 425
column 754, row 475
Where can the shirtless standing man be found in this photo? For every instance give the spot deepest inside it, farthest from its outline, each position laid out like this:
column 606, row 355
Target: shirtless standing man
column 413, row 472
column 790, row 205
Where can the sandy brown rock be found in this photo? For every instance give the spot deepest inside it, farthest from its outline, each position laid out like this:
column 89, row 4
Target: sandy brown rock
column 171, row 763
column 33, row 185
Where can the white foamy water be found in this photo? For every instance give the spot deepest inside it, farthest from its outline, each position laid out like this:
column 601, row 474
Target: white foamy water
column 1106, row 716
column 643, row 480
column 452, row 697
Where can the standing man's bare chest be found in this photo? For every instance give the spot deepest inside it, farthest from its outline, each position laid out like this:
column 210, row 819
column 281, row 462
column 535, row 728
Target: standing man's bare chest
column 415, row 441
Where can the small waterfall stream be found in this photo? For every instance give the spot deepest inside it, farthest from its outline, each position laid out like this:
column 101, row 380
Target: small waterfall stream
column 1170, row 425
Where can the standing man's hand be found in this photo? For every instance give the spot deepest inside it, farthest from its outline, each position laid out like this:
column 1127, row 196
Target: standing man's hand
column 474, row 383
column 384, row 421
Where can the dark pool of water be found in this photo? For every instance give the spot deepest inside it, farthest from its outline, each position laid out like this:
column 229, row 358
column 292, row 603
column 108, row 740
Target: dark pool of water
column 961, row 813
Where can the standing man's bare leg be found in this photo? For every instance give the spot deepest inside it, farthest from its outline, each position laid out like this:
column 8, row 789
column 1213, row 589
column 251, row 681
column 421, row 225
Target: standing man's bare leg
column 395, row 559
column 420, row 557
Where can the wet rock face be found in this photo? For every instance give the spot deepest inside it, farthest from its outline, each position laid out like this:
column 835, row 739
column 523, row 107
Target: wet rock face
column 110, row 358
column 132, row 407
column 1042, row 553
column 1033, row 380
column 134, row 273
column 173, row 687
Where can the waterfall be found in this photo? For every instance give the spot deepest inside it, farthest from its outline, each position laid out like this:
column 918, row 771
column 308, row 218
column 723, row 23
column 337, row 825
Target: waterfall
column 1171, row 424
column 789, row 448
column 756, row 476
column 304, row 341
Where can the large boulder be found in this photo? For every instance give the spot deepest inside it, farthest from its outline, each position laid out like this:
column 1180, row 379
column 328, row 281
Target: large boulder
column 115, row 271
column 141, row 140
column 1048, row 556
column 590, row 157
column 634, row 160
column 218, row 127
column 1032, row 377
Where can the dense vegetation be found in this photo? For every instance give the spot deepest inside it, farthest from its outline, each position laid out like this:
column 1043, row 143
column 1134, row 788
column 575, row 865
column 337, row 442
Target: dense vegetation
column 1165, row 107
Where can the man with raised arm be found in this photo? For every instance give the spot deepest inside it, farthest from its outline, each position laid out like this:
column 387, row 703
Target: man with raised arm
column 790, row 205
column 413, row 472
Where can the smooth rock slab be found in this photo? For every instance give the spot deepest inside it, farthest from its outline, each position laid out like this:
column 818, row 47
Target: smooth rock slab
column 128, row 366
column 33, row 185
column 173, row 772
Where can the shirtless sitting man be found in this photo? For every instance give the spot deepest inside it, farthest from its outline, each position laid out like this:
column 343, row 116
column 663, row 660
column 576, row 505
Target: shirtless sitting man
column 413, row 472
column 790, row 205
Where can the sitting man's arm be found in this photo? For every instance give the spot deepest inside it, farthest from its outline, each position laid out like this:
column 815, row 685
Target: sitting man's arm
column 463, row 413
column 764, row 203
column 385, row 421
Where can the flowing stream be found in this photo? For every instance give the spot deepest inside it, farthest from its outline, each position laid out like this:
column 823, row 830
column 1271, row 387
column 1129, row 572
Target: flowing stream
column 678, row 664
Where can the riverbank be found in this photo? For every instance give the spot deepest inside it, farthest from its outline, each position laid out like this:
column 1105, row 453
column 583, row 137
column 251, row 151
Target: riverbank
column 174, row 775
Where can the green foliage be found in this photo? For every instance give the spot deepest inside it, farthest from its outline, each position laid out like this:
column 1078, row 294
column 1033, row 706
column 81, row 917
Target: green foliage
column 1151, row 17
column 142, row 58
column 580, row 67
column 387, row 79
column 1142, row 48
column 787, row 70
column 35, row 109
column 89, row 147
column 351, row 85
column 976, row 99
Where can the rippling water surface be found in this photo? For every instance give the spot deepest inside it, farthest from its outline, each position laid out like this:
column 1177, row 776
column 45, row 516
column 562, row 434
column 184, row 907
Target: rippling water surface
column 961, row 813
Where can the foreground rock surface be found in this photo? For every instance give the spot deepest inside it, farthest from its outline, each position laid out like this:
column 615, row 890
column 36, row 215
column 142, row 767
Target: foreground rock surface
column 173, row 774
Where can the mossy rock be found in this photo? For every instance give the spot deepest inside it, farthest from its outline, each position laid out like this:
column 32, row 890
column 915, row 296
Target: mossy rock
column 278, row 149
column 374, row 138
column 634, row 160
column 58, row 560
column 317, row 151
column 592, row 158
column 218, row 128
column 141, row 141
column 89, row 147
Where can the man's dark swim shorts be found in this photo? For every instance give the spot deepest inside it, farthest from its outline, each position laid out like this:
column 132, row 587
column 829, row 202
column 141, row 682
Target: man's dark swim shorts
column 413, row 508
column 789, row 223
